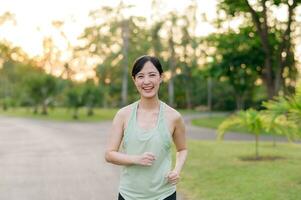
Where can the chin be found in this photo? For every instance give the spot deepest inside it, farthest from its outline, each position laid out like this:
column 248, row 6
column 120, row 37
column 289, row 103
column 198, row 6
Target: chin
column 148, row 95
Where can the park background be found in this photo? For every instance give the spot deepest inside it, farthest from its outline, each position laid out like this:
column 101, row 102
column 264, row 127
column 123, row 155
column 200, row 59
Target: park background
column 229, row 65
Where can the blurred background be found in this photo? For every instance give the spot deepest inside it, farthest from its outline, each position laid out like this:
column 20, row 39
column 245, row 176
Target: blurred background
column 229, row 66
column 217, row 55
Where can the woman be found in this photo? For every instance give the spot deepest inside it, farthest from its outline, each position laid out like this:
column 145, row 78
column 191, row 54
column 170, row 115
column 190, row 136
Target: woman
column 146, row 130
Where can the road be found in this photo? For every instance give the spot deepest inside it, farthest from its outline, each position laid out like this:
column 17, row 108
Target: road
column 46, row 160
column 42, row 160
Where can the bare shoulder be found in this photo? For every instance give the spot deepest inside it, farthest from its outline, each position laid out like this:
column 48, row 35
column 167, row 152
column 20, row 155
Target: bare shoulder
column 122, row 116
column 172, row 114
column 124, row 113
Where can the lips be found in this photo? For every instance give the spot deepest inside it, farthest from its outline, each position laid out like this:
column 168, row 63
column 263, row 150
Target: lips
column 147, row 89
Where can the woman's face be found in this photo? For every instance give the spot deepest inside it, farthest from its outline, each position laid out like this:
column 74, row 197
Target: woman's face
column 148, row 80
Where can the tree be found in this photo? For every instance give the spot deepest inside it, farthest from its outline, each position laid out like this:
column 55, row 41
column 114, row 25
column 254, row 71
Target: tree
column 10, row 72
column 249, row 119
column 237, row 58
column 91, row 96
column 41, row 89
column 283, row 114
column 279, row 56
column 114, row 41
column 75, row 98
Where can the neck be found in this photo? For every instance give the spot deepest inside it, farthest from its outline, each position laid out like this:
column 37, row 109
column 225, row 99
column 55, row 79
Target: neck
column 149, row 104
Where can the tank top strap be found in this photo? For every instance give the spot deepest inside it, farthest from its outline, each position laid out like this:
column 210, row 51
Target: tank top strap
column 131, row 122
column 163, row 127
column 161, row 113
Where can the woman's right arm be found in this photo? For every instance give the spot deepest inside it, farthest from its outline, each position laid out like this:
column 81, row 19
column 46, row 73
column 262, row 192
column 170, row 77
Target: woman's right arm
column 112, row 154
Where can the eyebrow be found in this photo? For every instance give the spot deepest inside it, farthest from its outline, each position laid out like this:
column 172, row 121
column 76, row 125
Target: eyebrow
column 152, row 72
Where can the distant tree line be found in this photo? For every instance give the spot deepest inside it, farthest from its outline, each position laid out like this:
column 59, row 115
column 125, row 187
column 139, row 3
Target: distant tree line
column 233, row 68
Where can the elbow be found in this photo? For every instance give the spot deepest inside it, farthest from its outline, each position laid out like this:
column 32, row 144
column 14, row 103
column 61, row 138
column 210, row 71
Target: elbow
column 108, row 157
column 182, row 150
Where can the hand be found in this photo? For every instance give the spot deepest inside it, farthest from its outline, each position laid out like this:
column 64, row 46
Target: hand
column 146, row 159
column 173, row 177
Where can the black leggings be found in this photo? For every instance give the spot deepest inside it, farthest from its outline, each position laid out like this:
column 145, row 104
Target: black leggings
column 171, row 197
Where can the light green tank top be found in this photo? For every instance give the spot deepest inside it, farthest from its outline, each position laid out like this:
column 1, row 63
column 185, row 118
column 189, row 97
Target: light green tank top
column 147, row 182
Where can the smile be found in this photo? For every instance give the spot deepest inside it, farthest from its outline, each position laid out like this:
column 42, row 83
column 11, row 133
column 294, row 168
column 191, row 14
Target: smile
column 147, row 88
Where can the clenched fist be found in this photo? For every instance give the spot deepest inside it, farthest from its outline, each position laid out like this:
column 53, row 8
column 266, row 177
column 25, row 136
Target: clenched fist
column 173, row 177
column 146, row 159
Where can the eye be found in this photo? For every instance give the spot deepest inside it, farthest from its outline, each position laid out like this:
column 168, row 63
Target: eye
column 139, row 76
column 152, row 75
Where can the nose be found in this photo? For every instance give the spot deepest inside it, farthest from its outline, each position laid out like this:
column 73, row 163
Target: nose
column 146, row 80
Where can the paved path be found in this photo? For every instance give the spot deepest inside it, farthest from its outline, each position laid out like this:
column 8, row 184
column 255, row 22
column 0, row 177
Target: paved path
column 43, row 160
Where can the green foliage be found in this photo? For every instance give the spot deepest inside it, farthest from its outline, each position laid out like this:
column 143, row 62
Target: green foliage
column 91, row 96
column 215, row 171
column 75, row 98
column 295, row 105
column 240, row 65
column 232, row 59
column 285, row 114
column 41, row 89
column 249, row 119
column 233, row 7
column 275, row 37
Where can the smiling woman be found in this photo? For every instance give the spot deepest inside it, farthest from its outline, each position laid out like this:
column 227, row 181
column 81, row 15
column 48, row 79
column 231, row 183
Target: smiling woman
column 146, row 129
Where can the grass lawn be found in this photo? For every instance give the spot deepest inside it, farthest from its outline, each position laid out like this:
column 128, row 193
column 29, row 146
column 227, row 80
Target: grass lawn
column 62, row 114
column 214, row 171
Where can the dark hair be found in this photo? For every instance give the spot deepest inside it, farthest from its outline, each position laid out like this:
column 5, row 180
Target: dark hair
column 139, row 63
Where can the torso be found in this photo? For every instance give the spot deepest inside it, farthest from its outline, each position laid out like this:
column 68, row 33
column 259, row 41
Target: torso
column 147, row 131
column 147, row 120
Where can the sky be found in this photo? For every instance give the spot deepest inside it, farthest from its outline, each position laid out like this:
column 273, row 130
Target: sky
column 34, row 18
column 34, row 21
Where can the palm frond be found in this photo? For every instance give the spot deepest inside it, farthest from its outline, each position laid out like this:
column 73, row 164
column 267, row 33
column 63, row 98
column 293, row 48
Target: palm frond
column 230, row 122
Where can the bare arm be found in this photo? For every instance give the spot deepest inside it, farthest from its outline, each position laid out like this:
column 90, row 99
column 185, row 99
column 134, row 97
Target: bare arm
column 112, row 154
column 179, row 138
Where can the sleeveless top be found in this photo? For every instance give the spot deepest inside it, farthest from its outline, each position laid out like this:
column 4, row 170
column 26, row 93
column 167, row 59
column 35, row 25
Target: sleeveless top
column 147, row 182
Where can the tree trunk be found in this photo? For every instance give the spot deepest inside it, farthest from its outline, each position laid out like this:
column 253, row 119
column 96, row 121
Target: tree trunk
column 75, row 113
column 44, row 109
column 273, row 79
column 187, row 81
column 125, row 49
column 156, row 42
column 105, row 96
column 35, row 109
column 172, row 66
column 90, row 111
column 284, row 52
column 262, row 30
column 239, row 102
column 209, row 93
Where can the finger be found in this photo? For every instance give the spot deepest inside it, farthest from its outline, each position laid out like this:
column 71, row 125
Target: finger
column 173, row 182
column 150, row 158
column 148, row 161
column 172, row 175
column 150, row 154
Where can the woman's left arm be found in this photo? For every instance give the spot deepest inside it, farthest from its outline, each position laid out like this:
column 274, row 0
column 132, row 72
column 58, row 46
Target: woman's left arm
column 179, row 138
